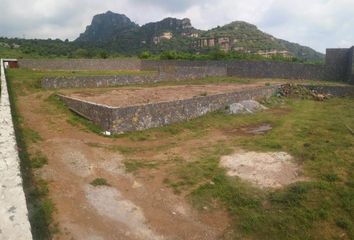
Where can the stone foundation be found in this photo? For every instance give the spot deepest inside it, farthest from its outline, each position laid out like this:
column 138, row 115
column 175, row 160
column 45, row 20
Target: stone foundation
column 133, row 118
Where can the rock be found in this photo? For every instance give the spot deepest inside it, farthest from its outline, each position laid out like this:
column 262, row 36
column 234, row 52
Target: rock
column 247, row 106
column 137, row 185
column 236, row 108
column 252, row 106
column 107, row 133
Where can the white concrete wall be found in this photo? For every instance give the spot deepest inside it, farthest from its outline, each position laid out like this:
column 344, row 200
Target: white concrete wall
column 14, row 223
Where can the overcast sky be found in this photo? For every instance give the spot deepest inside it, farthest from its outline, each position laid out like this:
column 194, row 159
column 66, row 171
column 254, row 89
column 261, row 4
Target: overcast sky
column 315, row 23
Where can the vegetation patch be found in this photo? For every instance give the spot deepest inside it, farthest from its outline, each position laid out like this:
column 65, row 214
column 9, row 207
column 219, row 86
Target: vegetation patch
column 100, row 182
column 315, row 134
column 134, row 165
column 38, row 160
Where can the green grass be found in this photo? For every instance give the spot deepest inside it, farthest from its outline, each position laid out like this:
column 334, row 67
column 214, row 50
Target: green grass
column 38, row 160
column 315, row 134
column 100, row 182
column 132, row 165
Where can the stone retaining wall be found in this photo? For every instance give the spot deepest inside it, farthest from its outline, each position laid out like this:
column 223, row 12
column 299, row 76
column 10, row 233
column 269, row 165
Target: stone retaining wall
column 133, row 118
column 338, row 91
column 14, row 223
column 96, row 81
column 81, row 64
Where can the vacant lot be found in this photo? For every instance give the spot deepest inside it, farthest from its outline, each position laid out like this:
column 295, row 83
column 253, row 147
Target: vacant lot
column 167, row 183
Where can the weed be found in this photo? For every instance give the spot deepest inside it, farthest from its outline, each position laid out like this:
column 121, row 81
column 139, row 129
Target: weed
column 99, row 182
column 38, row 160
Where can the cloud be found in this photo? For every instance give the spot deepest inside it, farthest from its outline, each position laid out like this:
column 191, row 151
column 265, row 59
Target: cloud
column 316, row 23
column 170, row 6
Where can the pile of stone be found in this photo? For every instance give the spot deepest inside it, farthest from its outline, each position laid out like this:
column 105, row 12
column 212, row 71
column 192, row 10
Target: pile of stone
column 301, row 91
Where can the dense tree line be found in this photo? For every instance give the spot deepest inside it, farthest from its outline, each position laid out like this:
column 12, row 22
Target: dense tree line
column 178, row 48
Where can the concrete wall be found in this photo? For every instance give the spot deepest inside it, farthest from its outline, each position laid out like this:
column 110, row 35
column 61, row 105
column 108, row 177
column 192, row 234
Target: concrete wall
column 14, row 223
column 125, row 119
column 80, row 64
column 97, row 81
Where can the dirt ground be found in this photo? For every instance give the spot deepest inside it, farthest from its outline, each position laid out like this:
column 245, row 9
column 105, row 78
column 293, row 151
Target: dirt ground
column 137, row 96
column 134, row 206
column 264, row 169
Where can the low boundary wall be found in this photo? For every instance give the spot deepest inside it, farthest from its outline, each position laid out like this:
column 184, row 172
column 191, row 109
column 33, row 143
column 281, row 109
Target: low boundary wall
column 270, row 69
column 337, row 91
column 14, row 223
column 81, row 64
column 139, row 117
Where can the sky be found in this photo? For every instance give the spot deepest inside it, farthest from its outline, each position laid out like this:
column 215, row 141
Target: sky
column 319, row 24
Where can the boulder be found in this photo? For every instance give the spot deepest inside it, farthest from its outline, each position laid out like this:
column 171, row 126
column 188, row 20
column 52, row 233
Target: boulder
column 247, row 106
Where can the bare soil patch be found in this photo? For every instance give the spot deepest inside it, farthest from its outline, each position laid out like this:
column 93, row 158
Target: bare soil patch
column 264, row 169
column 137, row 96
column 135, row 206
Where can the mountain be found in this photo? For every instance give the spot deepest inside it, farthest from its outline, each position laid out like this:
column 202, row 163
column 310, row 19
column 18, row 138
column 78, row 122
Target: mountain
column 117, row 31
column 108, row 26
column 166, row 29
column 246, row 37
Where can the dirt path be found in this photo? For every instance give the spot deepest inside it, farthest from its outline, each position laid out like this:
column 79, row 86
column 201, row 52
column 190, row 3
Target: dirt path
column 133, row 206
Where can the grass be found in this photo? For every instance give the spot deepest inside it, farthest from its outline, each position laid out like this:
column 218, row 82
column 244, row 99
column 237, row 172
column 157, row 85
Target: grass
column 132, row 165
column 100, row 182
column 315, row 134
column 38, row 160
column 73, row 118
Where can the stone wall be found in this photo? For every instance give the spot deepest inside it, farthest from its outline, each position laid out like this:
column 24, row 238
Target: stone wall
column 237, row 68
column 351, row 68
column 14, row 223
column 339, row 66
column 80, row 64
column 190, row 72
column 97, row 81
column 272, row 69
column 338, row 91
column 155, row 65
column 337, row 63
column 125, row 119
